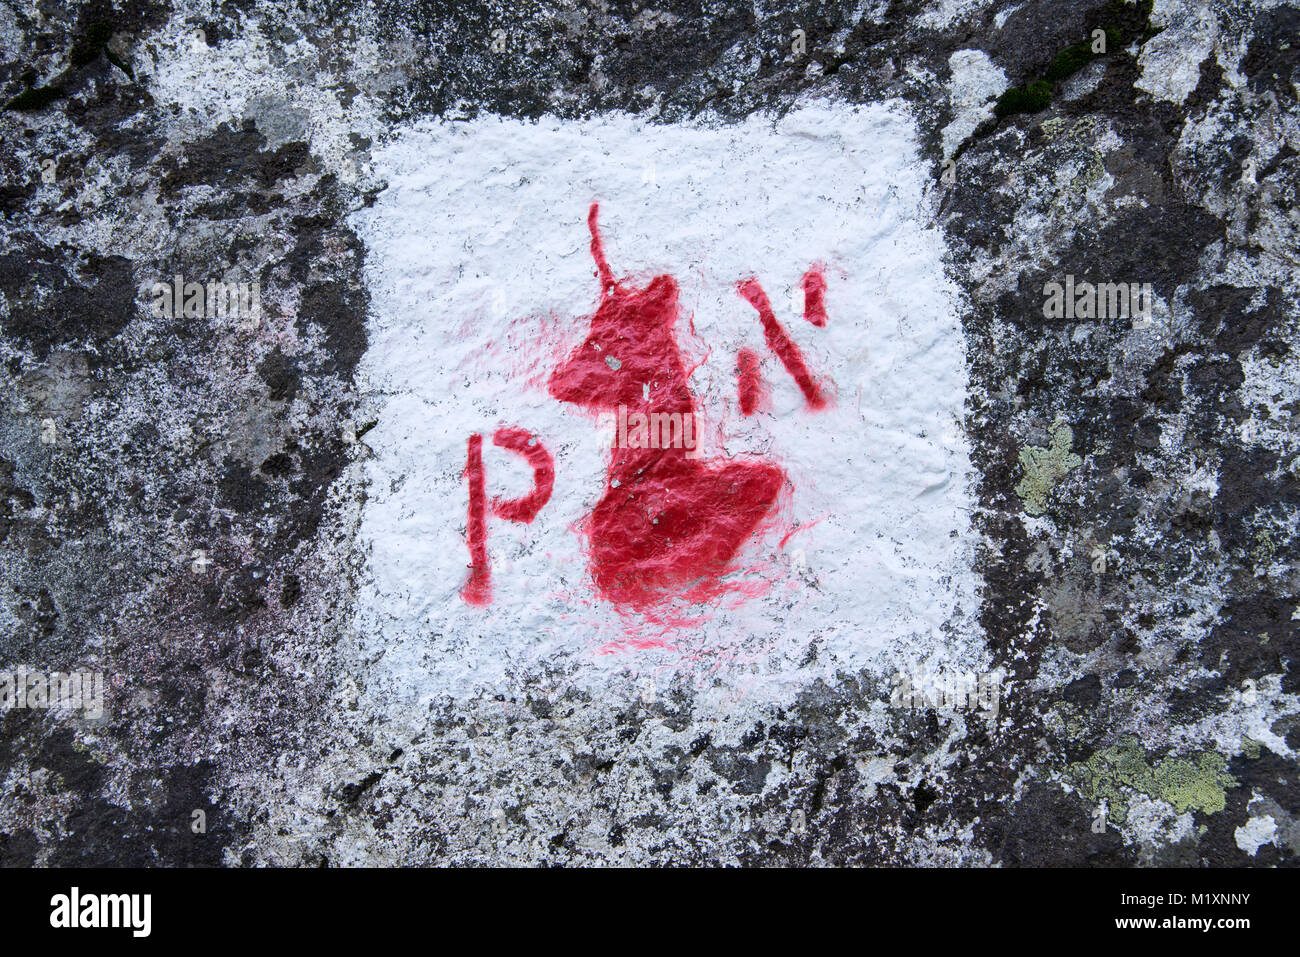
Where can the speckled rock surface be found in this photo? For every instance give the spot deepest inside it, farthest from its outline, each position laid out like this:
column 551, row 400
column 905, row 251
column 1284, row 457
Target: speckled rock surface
column 180, row 500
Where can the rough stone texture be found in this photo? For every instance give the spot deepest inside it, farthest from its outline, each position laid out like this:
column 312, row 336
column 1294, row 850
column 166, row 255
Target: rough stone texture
column 1161, row 681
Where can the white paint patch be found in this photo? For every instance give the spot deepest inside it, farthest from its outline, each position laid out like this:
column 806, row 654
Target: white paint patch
column 1171, row 60
column 976, row 83
column 1255, row 833
column 945, row 13
column 481, row 281
column 1154, row 823
column 1000, row 18
column 239, row 78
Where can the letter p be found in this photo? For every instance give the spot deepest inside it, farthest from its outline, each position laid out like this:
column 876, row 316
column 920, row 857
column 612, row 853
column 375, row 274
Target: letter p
column 477, row 590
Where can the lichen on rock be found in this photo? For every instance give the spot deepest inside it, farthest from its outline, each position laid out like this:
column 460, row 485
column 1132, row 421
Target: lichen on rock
column 1197, row 782
column 1044, row 468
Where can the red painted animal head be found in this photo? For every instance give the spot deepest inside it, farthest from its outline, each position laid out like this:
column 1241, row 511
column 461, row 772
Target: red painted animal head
column 629, row 345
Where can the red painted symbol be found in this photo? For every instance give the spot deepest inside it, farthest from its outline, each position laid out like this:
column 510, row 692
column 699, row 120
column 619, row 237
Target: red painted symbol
column 814, row 296
column 749, row 383
column 478, row 589
column 667, row 522
column 779, row 341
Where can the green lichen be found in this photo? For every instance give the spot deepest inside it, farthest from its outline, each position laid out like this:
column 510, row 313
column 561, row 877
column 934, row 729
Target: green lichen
column 1084, row 131
column 1201, row 786
column 1066, row 720
column 96, row 756
column 1051, row 127
column 1198, row 782
column 1090, row 174
column 1264, row 550
column 1045, row 467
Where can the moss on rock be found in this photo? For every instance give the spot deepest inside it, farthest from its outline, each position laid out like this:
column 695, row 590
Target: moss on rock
column 1024, row 99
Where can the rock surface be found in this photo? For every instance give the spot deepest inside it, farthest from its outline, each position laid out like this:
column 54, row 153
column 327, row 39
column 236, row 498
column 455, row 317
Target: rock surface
column 182, row 501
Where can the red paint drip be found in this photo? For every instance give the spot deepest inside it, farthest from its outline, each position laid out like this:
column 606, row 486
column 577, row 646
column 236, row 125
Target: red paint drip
column 779, row 341
column 478, row 589
column 666, row 523
column 749, row 383
column 814, row 296
column 598, row 250
column 525, row 508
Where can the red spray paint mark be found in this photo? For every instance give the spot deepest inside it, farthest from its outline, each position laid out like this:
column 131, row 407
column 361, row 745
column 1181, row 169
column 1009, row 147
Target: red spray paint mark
column 814, row 296
column 749, row 383
column 779, row 341
column 478, row 589
column 525, row 508
column 606, row 274
column 666, row 523
column 799, row 528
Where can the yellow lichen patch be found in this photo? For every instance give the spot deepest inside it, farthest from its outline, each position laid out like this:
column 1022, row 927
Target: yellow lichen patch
column 1197, row 782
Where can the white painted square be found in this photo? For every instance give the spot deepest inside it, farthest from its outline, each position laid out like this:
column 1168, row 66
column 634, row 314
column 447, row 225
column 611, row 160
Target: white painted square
column 481, row 281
